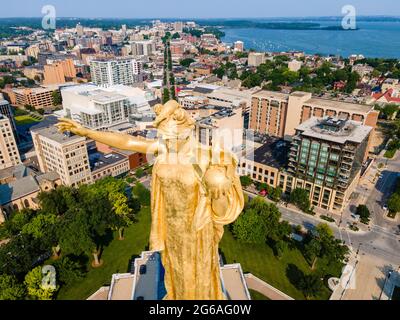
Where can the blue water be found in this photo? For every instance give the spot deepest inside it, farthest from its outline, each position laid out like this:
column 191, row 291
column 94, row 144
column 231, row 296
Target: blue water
column 373, row 39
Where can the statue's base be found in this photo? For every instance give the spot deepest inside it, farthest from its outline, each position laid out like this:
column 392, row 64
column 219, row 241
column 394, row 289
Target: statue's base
column 146, row 281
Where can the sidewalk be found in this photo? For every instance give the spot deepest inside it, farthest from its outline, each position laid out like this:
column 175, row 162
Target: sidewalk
column 293, row 209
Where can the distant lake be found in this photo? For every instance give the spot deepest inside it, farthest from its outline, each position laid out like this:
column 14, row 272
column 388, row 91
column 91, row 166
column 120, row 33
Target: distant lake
column 373, row 39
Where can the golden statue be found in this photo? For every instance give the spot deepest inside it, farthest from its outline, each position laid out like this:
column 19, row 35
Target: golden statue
column 195, row 191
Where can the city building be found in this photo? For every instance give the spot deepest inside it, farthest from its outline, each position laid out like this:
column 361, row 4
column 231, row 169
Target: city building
column 7, row 111
column 224, row 128
column 142, row 48
column 63, row 153
column 22, row 193
column 256, row 58
column 36, row 97
column 110, row 164
column 102, row 108
column 9, row 154
column 278, row 114
column 59, row 72
column 107, row 72
column 239, row 46
column 326, row 157
column 146, row 281
column 295, row 65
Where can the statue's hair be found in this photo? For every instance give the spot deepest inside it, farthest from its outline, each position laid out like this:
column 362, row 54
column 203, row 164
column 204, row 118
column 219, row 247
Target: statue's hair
column 172, row 111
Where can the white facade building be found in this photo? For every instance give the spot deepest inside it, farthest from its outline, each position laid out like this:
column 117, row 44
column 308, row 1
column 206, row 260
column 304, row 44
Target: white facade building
column 102, row 108
column 109, row 72
column 9, row 155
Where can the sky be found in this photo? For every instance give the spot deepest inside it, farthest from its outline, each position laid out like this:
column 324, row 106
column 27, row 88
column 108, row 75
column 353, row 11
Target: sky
column 196, row 8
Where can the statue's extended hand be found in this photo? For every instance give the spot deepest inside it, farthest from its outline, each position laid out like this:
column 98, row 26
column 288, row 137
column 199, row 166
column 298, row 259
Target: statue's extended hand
column 217, row 182
column 72, row 126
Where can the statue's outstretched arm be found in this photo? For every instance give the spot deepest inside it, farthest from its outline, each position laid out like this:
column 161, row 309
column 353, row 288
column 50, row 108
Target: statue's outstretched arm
column 113, row 139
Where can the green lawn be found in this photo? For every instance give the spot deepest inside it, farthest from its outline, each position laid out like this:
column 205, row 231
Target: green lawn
column 25, row 119
column 257, row 296
column 116, row 259
column 257, row 259
column 261, row 262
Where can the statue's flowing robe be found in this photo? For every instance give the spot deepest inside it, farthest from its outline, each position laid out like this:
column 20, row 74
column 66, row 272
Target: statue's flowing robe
column 186, row 230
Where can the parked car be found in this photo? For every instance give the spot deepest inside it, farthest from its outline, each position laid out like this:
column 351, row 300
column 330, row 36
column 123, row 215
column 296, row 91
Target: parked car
column 140, row 298
column 385, row 207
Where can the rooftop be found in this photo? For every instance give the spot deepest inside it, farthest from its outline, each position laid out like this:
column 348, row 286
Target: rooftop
column 273, row 153
column 335, row 130
column 271, row 95
column 99, row 160
column 336, row 104
column 234, row 282
column 52, row 133
column 17, row 189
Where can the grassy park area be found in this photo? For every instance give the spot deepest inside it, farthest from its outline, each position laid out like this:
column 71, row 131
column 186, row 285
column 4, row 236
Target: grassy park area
column 261, row 262
column 26, row 119
column 256, row 259
column 116, row 258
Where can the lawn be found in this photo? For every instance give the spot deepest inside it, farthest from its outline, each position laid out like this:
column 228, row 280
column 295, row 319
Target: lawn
column 257, row 259
column 25, row 119
column 116, row 258
column 257, row 296
column 261, row 262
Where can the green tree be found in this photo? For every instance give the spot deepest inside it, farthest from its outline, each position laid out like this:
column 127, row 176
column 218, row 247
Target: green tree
column 275, row 194
column 69, row 270
column 394, row 203
column 300, row 198
column 38, row 286
column 10, row 288
column 187, row 62
column 249, row 228
column 18, row 255
column 310, row 285
column 363, row 212
column 57, row 98
column 313, row 251
column 166, row 96
column 142, row 193
column 17, row 221
column 43, row 227
column 246, row 181
column 280, row 248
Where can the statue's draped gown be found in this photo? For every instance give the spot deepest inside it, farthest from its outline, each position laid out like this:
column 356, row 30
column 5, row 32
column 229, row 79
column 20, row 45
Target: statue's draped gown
column 186, row 230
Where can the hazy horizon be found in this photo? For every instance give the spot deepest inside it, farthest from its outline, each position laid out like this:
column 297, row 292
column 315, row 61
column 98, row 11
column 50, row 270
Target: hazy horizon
column 205, row 9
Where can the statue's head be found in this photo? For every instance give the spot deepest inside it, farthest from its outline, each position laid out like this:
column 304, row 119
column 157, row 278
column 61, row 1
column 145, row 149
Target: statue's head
column 172, row 121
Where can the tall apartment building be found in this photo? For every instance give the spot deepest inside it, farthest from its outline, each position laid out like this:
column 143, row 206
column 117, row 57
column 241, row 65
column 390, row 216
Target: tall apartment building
column 278, row 114
column 113, row 71
column 62, row 153
column 102, row 108
column 256, row 58
column 239, row 46
column 143, row 48
column 325, row 157
column 59, row 72
column 9, row 155
column 6, row 110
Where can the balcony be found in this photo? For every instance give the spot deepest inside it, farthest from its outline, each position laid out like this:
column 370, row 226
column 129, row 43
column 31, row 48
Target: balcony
column 291, row 164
